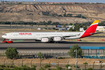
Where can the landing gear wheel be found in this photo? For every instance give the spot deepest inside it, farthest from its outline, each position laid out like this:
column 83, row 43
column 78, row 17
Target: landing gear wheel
column 51, row 42
column 9, row 41
column 5, row 41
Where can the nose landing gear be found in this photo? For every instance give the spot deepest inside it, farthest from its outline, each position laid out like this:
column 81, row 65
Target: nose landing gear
column 7, row 41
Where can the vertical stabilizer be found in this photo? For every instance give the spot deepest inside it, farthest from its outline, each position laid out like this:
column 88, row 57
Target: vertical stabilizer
column 91, row 29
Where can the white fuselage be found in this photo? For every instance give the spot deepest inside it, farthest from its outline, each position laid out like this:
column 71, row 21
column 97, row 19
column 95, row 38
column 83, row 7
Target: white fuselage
column 39, row 35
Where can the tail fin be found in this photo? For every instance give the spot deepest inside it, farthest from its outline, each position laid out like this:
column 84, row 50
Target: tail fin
column 91, row 30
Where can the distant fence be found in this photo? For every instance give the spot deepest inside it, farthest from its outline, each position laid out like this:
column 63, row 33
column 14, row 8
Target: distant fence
column 45, row 55
column 34, row 54
column 55, row 55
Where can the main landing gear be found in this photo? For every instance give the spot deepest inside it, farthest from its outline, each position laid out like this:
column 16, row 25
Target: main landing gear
column 7, row 41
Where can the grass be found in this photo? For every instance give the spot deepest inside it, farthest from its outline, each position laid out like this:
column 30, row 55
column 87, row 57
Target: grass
column 26, row 30
column 99, row 35
column 87, row 39
column 92, row 39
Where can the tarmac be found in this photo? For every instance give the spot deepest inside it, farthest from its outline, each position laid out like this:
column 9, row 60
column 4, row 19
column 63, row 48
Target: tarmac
column 38, row 45
column 32, row 46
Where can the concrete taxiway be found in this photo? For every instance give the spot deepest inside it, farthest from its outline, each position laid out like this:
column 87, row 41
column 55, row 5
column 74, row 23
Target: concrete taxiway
column 32, row 46
column 39, row 45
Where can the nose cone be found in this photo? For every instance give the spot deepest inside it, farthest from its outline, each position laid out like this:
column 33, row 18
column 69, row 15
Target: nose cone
column 3, row 36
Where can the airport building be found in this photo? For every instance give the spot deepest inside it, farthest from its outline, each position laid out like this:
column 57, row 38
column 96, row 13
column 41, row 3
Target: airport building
column 100, row 28
column 93, row 51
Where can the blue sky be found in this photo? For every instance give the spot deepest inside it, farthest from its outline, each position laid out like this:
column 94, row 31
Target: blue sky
column 100, row 1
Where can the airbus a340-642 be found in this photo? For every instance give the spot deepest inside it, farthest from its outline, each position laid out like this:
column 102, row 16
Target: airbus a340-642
column 50, row 36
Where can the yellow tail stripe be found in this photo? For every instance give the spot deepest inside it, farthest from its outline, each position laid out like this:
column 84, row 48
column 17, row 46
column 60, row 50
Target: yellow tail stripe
column 96, row 21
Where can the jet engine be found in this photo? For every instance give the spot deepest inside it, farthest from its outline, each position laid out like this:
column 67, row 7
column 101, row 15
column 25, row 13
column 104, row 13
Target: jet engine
column 44, row 40
column 57, row 39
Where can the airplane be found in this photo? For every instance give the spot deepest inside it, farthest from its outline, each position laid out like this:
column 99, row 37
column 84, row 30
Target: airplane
column 50, row 36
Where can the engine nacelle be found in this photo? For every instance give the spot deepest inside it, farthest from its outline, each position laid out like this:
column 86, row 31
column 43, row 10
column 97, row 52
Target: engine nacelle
column 57, row 39
column 44, row 40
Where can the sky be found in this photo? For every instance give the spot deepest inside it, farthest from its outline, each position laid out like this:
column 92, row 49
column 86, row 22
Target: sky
column 100, row 1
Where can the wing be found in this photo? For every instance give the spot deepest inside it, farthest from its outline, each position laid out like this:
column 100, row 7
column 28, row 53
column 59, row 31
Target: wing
column 63, row 37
